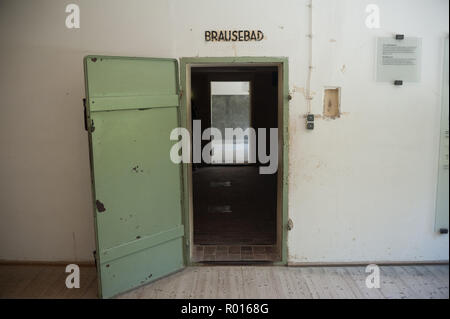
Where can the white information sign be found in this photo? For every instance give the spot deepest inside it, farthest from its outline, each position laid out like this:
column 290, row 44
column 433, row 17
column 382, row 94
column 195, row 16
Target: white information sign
column 399, row 59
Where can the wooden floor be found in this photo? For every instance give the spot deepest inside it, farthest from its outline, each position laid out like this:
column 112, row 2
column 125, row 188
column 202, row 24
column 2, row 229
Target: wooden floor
column 30, row 281
column 239, row 282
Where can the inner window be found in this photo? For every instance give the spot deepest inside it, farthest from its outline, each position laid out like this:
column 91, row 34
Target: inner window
column 230, row 108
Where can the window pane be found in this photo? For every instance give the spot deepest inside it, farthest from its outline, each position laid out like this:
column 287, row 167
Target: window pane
column 230, row 108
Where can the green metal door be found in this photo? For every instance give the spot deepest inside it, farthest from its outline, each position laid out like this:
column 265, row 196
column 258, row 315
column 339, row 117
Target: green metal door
column 131, row 108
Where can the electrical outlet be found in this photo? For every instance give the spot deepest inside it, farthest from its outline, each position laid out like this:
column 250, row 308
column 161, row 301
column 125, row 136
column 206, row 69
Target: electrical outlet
column 310, row 121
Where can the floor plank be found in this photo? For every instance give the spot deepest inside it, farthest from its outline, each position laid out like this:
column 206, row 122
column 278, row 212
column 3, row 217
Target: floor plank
column 227, row 282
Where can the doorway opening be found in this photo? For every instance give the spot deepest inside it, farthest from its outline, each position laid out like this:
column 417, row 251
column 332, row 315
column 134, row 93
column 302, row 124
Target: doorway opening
column 235, row 212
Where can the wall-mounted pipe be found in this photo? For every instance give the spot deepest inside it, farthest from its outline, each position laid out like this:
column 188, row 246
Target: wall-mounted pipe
column 308, row 95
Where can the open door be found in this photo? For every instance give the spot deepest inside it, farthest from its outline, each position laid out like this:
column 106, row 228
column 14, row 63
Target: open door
column 131, row 108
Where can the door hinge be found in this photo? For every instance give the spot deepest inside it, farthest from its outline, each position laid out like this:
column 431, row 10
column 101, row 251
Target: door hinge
column 88, row 123
column 92, row 127
column 85, row 115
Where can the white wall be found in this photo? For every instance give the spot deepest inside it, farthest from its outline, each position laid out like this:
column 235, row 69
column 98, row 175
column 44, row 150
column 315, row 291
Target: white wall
column 362, row 187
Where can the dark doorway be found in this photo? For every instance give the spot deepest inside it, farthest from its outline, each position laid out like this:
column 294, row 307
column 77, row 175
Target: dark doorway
column 234, row 206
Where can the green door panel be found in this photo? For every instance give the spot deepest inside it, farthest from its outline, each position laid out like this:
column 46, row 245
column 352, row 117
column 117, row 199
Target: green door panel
column 132, row 106
column 118, row 76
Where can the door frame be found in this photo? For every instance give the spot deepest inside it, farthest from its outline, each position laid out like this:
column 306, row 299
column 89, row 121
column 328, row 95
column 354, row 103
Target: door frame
column 283, row 142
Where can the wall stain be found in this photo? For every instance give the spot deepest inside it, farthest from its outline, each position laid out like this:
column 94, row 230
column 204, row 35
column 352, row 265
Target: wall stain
column 298, row 89
column 301, row 90
column 233, row 46
column 74, row 245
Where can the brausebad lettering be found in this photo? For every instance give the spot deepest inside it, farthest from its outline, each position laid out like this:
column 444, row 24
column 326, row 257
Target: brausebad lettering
column 233, row 35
